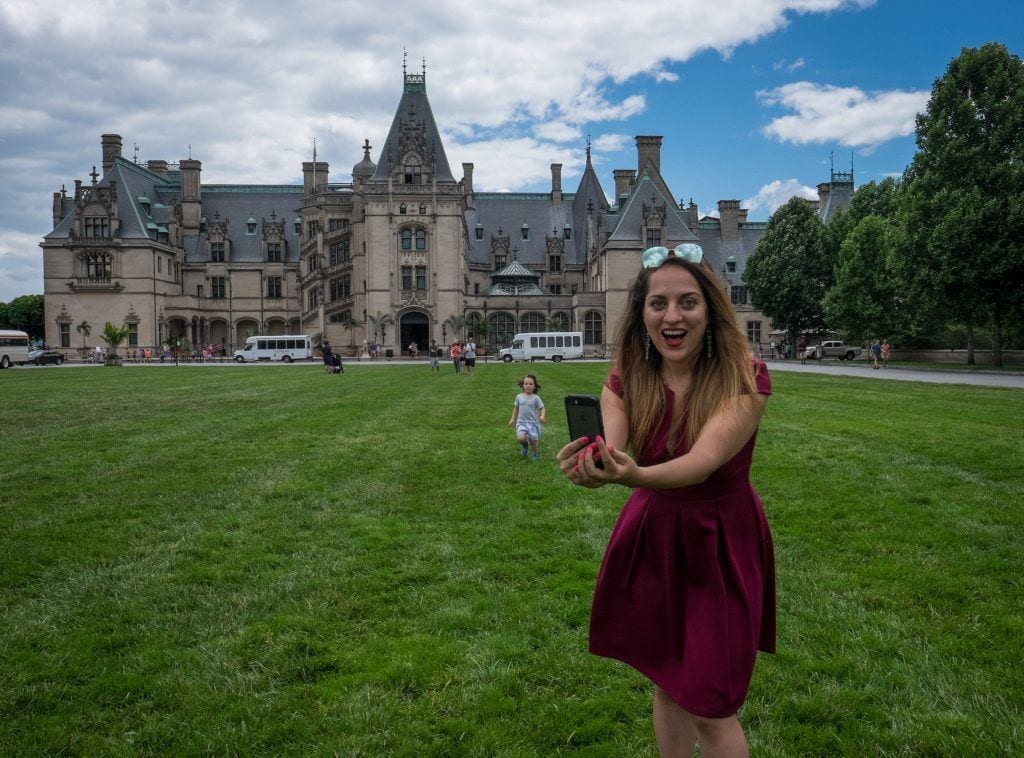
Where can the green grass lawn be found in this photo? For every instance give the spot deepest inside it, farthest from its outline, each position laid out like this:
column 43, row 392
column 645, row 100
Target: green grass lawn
column 270, row 560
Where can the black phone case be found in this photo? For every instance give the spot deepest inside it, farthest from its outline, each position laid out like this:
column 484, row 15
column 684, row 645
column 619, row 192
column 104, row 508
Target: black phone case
column 583, row 412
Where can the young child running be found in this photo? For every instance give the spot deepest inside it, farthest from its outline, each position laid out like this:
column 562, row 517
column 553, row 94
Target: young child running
column 527, row 416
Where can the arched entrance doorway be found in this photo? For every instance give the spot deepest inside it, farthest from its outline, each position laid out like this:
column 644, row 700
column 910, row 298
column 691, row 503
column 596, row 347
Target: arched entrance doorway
column 244, row 328
column 414, row 327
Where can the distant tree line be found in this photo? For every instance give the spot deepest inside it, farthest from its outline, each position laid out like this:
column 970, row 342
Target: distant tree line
column 932, row 259
column 24, row 313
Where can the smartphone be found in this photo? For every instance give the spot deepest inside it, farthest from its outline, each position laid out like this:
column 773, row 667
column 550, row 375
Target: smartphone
column 584, row 415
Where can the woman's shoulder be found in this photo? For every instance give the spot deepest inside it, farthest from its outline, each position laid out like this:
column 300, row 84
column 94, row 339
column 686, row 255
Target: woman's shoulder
column 614, row 382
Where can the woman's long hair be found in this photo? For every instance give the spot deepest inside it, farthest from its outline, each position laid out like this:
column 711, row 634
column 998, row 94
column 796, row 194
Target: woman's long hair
column 717, row 379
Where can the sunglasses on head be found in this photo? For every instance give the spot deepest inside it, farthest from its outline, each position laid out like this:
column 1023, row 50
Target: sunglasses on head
column 655, row 256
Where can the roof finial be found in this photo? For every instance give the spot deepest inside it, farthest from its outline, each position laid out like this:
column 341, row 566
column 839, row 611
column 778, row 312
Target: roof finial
column 424, row 67
column 588, row 148
column 405, row 60
column 190, row 152
column 136, row 158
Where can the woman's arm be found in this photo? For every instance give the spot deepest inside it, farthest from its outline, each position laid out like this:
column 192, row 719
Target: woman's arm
column 722, row 437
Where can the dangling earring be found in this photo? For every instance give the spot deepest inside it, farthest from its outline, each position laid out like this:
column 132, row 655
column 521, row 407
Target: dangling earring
column 707, row 338
column 647, row 347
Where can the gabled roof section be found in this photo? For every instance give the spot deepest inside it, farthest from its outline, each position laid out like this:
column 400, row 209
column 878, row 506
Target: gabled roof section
column 414, row 130
column 650, row 191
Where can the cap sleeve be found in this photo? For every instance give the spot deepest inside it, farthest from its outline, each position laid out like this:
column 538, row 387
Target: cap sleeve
column 614, row 383
column 762, row 382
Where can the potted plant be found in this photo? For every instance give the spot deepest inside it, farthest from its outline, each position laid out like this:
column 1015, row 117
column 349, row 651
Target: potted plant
column 114, row 336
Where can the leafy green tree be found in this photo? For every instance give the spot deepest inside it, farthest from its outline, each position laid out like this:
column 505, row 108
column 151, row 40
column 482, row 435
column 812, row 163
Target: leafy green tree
column 963, row 199
column 24, row 313
column 863, row 302
column 789, row 272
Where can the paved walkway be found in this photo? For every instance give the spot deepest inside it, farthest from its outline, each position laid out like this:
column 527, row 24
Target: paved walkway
column 937, row 376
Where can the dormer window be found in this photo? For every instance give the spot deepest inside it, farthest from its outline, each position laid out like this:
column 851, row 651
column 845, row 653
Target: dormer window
column 413, row 174
column 95, row 226
column 567, row 232
column 202, row 225
column 479, row 231
column 730, row 265
column 298, row 225
column 525, row 231
column 274, row 252
column 653, row 237
column 146, row 205
column 250, row 226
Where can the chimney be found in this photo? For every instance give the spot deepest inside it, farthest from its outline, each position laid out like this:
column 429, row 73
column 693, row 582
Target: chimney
column 111, row 150
column 314, row 170
column 157, row 167
column 624, row 178
column 648, row 150
column 556, row 183
column 191, row 207
column 58, row 206
column 729, row 217
column 694, row 218
column 823, row 190
column 467, row 177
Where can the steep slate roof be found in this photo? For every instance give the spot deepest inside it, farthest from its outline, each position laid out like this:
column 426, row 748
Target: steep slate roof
column 239, row 203
column 414, row 125
column 628, row 220
column 588, row 193
column 134, row 183
column 508, row 212
column 717, row 252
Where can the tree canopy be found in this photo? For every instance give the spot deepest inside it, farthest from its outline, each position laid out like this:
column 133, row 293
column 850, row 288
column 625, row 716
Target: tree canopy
column 24, row 313
column 863, row 302
column 788, row 273
column 963, row 196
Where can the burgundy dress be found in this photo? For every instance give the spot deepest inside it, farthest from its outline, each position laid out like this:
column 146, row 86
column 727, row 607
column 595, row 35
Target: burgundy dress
column 686, row 590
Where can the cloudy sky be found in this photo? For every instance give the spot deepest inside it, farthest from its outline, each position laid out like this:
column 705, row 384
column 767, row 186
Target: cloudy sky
column 752, row 96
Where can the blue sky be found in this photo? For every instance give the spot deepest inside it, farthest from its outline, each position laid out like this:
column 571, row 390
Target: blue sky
column 751, row 96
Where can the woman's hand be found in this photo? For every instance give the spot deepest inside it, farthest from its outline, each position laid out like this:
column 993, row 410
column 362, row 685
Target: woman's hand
column 579, row 463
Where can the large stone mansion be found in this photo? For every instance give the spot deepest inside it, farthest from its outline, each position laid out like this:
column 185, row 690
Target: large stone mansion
column 402, row 253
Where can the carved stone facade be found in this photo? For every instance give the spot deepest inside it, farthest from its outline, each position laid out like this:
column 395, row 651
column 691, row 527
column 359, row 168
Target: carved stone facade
column 402, row 253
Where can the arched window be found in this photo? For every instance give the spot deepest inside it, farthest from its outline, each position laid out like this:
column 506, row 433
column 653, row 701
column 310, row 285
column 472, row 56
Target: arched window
column 561, row 322
column 503, row 328
column 250, row 226
column 401, row 209
column 533, row 322
column 593, row 329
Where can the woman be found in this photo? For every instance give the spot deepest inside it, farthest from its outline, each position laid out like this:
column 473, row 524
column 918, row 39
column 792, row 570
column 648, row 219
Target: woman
column 686, row 590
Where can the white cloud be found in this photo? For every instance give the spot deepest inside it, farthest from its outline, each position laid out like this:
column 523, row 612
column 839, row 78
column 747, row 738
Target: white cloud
column 774, row 195
column 847, row 115
column 248, row 85
column 558, row 131
column 789, row 66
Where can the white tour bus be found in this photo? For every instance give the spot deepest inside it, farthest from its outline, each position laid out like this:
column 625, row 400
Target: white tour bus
column 13, row 348
column 281, row 347
column 551, row 346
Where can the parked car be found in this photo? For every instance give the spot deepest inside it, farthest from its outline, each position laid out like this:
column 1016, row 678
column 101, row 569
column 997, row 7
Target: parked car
column 42, row 357
column 833, row 349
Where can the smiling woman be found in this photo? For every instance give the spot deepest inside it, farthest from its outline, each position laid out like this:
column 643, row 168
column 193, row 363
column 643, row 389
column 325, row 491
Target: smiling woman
column 686, row 590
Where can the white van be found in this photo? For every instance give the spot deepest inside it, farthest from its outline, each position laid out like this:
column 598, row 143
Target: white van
column 13, row 348
column 281, row 347
column 551, row 346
